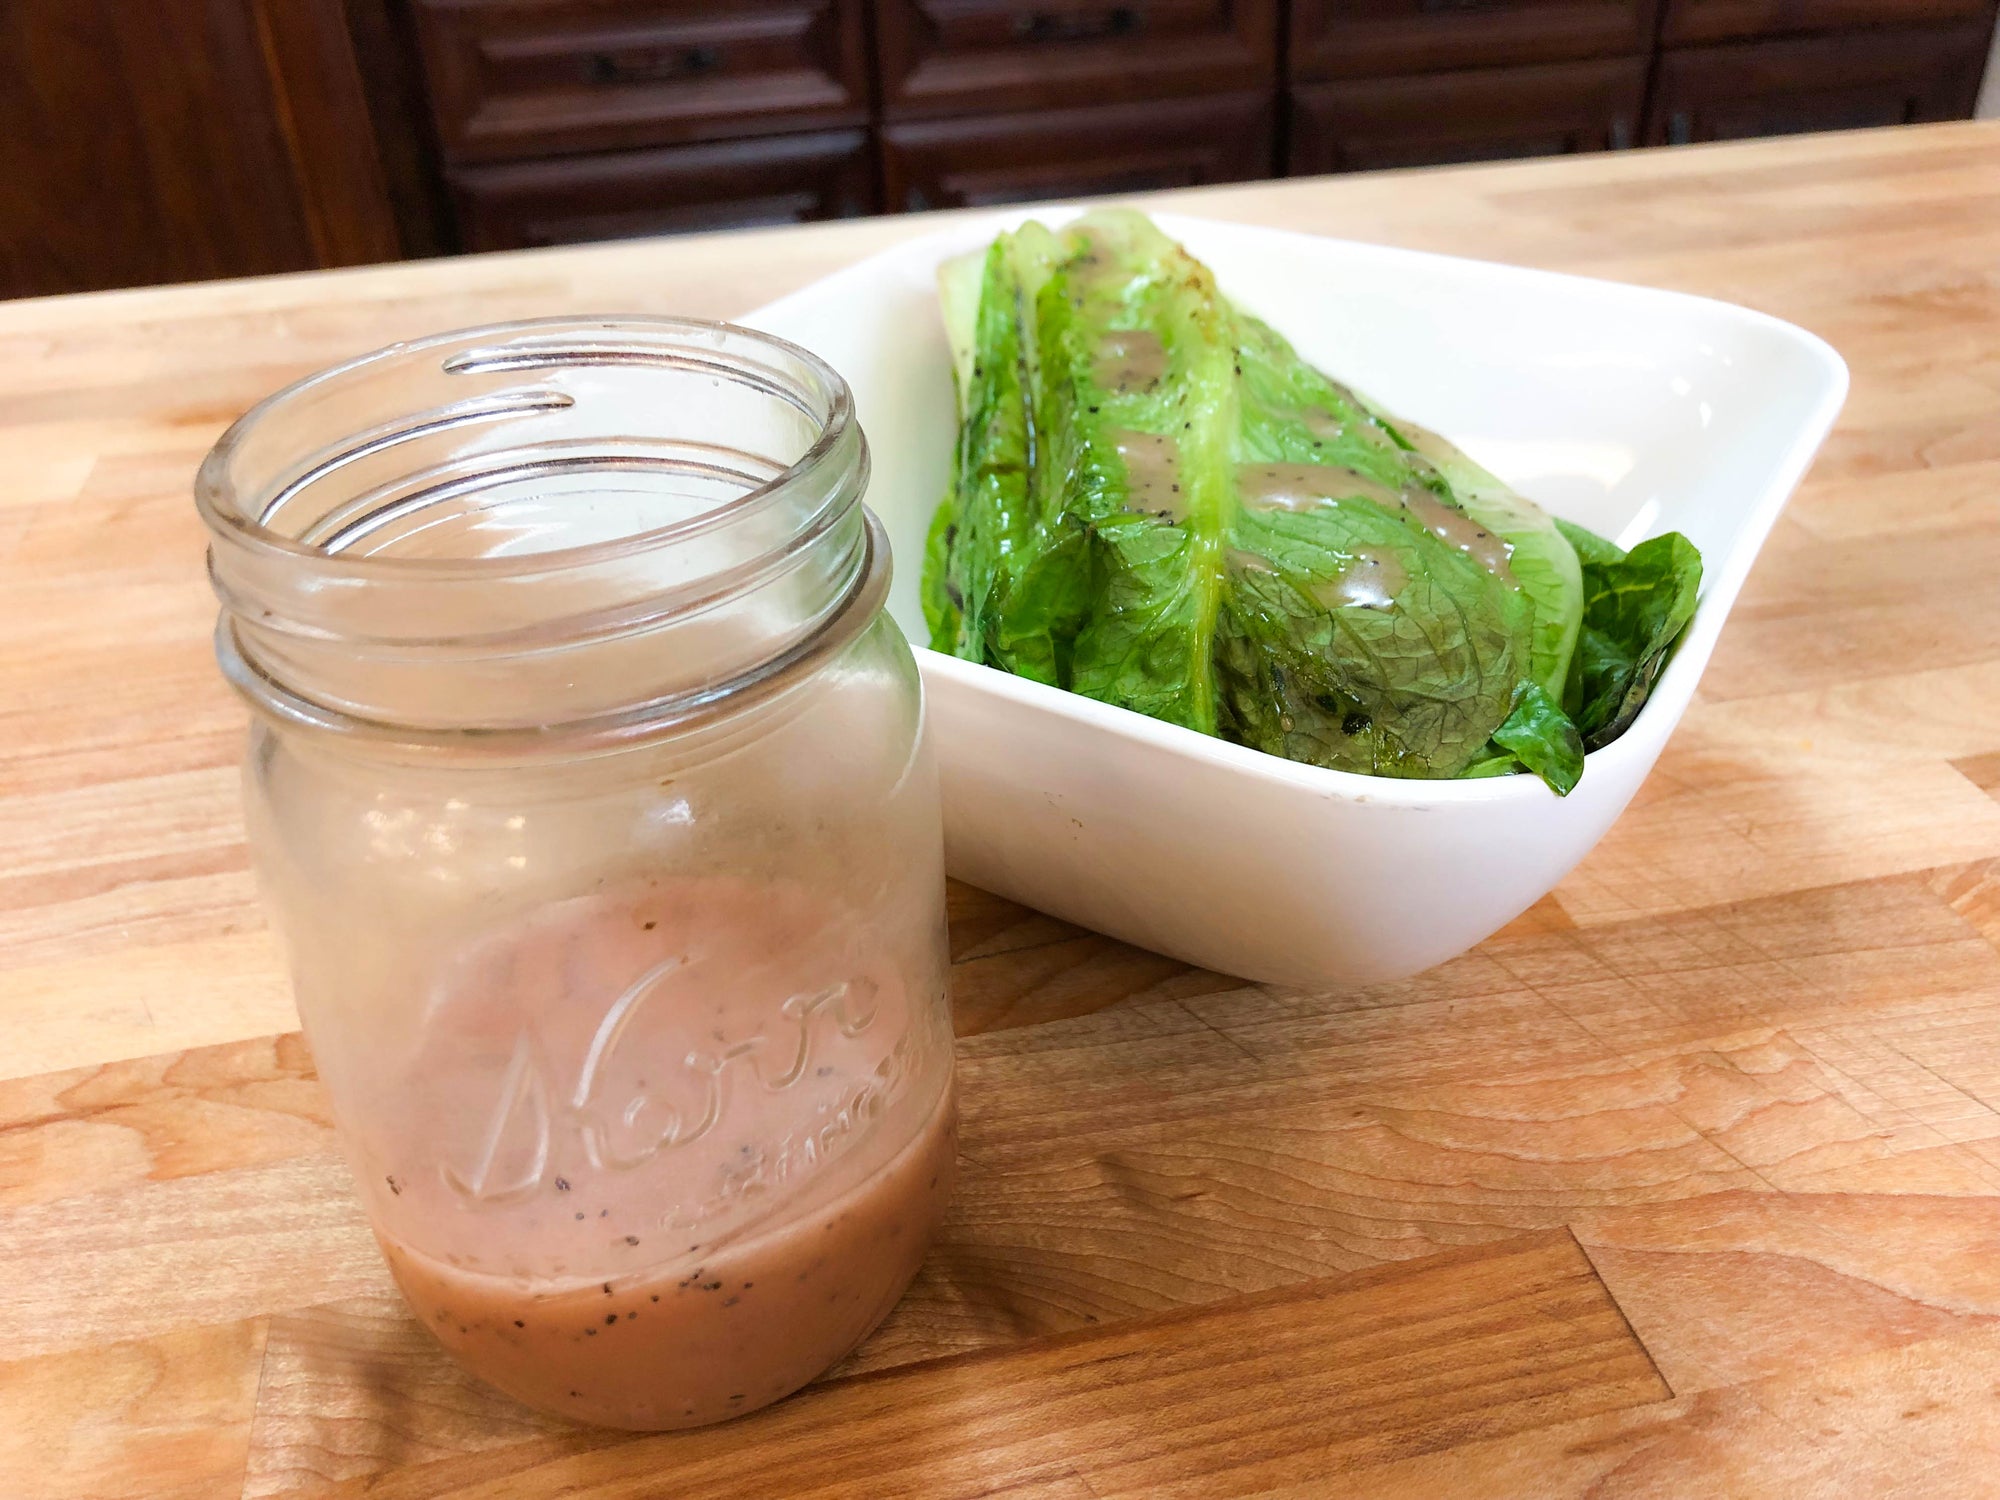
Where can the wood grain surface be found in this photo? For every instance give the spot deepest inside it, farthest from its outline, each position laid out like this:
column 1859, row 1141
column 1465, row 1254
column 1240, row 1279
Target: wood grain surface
column 1687, row 1183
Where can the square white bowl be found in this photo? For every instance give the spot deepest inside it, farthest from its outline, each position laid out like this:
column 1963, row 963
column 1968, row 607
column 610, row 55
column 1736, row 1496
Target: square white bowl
column 1629, row 410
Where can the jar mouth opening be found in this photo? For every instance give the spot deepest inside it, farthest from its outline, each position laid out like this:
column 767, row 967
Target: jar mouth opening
column 830, row 407
column 623, row 728
column 597, row 528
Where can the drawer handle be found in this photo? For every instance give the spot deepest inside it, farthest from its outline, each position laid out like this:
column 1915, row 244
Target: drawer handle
column 1079, row 26
column 657, row 67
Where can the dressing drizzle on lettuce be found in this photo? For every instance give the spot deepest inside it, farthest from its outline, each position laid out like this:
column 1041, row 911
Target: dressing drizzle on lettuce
column 1156, row 503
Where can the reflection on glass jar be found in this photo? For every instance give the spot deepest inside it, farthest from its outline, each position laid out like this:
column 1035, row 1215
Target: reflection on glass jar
column 589, row 788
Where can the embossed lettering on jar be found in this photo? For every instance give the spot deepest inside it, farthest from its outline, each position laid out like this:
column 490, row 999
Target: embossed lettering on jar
column 588, row 786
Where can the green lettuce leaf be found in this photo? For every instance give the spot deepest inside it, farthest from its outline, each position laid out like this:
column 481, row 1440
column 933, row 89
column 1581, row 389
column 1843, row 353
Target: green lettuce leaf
column 942, row 614
column 1545, row 564
column 989, row 497
column 994, row 533
column 1636, row 604
column 1539, row 553
column 1542, row 738
column 1359, row 631
column 961, row 283
column 1592, row 550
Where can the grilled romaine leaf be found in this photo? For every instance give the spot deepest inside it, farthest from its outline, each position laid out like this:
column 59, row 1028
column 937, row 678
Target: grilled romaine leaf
column 1158, row 504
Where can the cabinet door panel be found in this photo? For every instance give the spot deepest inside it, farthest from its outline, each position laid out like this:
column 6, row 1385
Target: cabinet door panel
column 1103, row 149
column 1480, row 116
column 1725, row 20
column 140, row 143
column 624, row 194
column 1816, row 83
column 957, row 56
column 513, row 78
column 1370, row 38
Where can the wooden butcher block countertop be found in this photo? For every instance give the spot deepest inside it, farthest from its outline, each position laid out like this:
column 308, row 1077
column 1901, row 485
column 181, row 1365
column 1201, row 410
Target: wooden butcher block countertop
column 1686, row 1184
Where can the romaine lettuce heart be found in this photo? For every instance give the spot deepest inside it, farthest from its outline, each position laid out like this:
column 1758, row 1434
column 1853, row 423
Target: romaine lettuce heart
column 1156, row 503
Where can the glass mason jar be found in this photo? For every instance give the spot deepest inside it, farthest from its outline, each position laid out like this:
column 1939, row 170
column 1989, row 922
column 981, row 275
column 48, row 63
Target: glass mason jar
column 588, row 787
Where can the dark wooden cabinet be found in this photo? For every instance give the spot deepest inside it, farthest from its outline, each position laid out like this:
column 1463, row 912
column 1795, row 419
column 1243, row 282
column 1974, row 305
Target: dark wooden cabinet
column 1064, row 153
column 1493, row 113
column 515, row 78
column 973, row 56
column 1688, row 21
column 566, row 120
column 174, row 140
column 1371, row 38
column 783, row 179
column 1836, row 82
column 158, row 140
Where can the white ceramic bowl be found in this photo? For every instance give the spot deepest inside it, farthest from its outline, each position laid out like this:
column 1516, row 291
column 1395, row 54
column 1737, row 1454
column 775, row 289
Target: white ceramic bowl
column 1631, row 411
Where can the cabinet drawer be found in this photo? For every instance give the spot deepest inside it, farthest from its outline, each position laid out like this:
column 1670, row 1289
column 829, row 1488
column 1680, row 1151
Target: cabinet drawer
column 1480, row 116
column 513, row 78
column 1725, row 20
column 1817, row 83
column 1067, row 153
column 951, row 56
column 620, row 195
column 1369, row 38
column 1107, row 149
